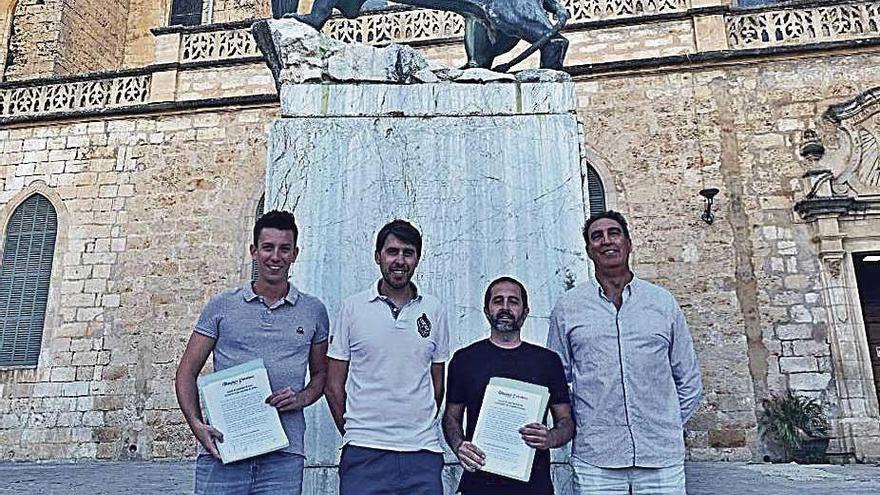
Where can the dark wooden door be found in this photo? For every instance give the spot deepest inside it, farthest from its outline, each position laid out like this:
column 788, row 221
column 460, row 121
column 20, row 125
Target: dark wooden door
column 867, row 267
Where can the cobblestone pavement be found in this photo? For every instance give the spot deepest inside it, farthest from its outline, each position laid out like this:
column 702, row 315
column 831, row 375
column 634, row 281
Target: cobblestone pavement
column 709, row 478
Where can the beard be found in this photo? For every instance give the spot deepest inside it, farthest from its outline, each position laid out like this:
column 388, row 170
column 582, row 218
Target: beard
column 505, row 326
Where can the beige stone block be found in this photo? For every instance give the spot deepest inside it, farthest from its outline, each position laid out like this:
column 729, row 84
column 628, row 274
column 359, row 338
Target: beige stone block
column 47, row 389
column 101, row 271
column 710, row 33
column 81, row 344
column 35, row 156
column 63, row 374
column 79, row 300
column 89, row 314
column 163, row 86
column 77, row 141
column 809, row 381
column 85, row 373
column 93, row 418
column 85, row 358
column 798, row 364
column 77, row 273
column 34, row 144
column 75, row 389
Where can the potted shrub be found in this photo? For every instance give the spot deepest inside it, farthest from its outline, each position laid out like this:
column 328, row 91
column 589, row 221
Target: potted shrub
column 797, row 424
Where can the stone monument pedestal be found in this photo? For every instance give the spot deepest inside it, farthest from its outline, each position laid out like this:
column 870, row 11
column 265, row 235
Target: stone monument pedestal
column 487, row 166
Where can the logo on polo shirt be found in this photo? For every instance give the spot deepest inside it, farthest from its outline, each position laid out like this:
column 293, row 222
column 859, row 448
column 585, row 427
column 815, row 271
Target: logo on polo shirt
column 424, row 325
column 300, row 331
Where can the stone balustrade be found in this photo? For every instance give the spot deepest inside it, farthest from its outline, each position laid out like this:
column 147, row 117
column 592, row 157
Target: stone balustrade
column 796, row 25
column 75, row 96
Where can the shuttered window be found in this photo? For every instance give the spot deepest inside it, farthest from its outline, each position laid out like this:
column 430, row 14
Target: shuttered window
column 186, row 13
column 257, row 215
column 596, row 191
column 25, row 271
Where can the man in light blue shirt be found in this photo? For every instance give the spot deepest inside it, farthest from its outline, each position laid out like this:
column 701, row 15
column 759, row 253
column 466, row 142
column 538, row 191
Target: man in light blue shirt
column 628, row 355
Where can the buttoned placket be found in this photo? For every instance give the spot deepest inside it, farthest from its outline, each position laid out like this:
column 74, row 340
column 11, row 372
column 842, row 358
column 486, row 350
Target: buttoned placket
column 625, row 295
column 395, row 311
column 266, row 316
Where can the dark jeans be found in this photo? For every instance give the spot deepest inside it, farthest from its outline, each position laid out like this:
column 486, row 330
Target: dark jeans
column 366, row 471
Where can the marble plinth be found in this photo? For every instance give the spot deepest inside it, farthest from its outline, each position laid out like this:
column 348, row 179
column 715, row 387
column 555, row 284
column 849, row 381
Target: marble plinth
column 494, row 192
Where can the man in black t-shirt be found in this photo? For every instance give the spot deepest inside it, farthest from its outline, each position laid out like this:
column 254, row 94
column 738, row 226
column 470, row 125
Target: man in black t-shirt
column 504, row 355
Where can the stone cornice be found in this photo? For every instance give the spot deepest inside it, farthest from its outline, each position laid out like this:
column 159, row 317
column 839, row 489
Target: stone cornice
column 810, row 209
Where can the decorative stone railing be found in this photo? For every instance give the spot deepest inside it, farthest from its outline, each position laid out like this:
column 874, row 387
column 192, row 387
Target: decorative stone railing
column 398, row 25
column 798, row 25
column 596, row 10
column 218, row 45
column 407, row 25
column 74, row 96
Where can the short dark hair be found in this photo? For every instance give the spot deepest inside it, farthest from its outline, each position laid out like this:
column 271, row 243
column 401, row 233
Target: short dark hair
column 522, row 290
column 609, row 214
column 404, row 231
column 275, row 219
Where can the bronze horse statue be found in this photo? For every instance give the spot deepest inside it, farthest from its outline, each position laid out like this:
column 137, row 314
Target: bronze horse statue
column 493, row 27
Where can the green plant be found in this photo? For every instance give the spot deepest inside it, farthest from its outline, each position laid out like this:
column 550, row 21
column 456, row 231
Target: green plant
column 790, row 420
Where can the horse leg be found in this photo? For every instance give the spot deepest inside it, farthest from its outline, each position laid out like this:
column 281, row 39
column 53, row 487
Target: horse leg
column 553, row 53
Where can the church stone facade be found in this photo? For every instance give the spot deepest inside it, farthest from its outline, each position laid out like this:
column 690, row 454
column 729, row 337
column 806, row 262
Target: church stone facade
column 132, row 162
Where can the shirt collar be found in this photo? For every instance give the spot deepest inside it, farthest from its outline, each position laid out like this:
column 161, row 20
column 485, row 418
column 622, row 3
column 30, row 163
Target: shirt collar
column 627, row 290
column 291, row 296
column 374, row 294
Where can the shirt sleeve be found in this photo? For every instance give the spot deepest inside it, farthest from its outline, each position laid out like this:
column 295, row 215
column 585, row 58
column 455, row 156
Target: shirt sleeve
column 322, row 329
column 455, row 392
column 210, row 318
column 558, row 385
column 340, row 333
column 441, row 349
column 557, row 341
column 685, row 368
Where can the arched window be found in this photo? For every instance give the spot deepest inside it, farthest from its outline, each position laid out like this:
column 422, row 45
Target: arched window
column 186, row 13
column 281, row 7
column 257, row 214
column 24, row 280
column 596, row 191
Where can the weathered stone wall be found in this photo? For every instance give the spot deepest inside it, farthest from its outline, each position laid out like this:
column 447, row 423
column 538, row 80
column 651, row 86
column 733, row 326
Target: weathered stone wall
column 34, row 39
column 55, row 38
column 92, row 36
column 139, row 42
column 158, row 211
column 236, row 10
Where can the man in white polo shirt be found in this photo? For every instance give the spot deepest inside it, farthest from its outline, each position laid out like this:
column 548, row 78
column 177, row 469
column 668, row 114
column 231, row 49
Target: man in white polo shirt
column 385, row 377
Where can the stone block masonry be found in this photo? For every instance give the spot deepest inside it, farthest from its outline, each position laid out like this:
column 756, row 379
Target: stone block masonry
column 149, row 229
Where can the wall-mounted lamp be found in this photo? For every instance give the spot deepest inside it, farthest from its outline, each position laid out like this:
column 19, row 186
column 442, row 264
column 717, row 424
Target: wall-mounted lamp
column 709, row 194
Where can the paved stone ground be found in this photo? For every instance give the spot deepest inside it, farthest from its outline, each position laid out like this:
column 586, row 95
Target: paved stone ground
column 707, row 478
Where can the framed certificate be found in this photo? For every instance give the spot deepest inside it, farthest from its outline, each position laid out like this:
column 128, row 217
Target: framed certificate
column 508, row 405
column 234, row 402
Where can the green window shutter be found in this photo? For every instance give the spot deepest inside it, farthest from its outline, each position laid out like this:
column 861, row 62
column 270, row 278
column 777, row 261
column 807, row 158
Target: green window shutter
column 596, row 191
column 25, row 273
column 260, row 206
column 186, row 13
